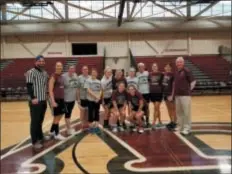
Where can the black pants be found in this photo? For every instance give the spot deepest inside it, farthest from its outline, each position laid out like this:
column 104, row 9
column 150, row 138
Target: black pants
column 69, row 108
column 93, row 111
column 37, row 113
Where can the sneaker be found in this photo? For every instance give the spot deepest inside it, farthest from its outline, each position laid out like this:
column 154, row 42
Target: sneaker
column 153, row 127
column 97, row 130
column 159, row 125
column 115, row 130
column 37, row 146
column 141, row 130
column 71, row 131
column 185, row 132
column 59, row 137
column 121, row 128
column 134, row 129
column 51, row 134
column 177, row 129
column 47, row 138
column 91, row 130
column 169, row 125
column 174, row 125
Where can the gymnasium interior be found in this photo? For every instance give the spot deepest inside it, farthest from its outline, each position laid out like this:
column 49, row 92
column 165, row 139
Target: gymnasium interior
column 119, row 34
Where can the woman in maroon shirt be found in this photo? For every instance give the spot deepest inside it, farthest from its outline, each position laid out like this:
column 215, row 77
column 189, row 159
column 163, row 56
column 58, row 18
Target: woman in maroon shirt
column 118, row 78
column 56, row 95
column 167, row 83
column 118, row 107
column 156, row 95
column 137, row 107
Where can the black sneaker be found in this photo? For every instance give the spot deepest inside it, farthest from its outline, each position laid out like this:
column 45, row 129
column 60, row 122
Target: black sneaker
column 169, row 125
column 174, row 125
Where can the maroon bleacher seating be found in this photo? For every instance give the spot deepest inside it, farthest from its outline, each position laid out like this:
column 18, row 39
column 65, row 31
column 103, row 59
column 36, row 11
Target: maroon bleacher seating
column 214, row 66
column 13, row 75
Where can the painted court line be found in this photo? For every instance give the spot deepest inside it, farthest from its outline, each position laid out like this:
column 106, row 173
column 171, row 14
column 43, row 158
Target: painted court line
column 28, row 145
column 20, row 143
column 197, row 150
column 42, row 167
column 141, row 159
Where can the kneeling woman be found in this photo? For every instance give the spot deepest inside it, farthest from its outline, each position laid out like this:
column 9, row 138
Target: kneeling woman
column 137, row 107
column 94, row 92
column 118, row 107
column 56, row 94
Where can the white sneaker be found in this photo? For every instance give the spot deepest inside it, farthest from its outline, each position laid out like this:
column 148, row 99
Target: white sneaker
column 115, row 130
column 121, row 128
column 51, row 134
column 141, row 130
column 71, row 131
column 134, row 129
column 177, row 129
column 37, row 146
column 59, row 137
column 47, row 138
column 185, row 132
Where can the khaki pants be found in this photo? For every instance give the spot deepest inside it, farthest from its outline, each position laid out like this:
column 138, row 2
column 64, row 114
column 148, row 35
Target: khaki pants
column 183, row 112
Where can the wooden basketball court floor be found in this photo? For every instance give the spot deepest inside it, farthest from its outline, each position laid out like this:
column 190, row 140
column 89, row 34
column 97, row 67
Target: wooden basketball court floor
column 206, row 151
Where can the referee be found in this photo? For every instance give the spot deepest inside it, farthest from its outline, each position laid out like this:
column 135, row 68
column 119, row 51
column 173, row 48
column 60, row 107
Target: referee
column 36, row 79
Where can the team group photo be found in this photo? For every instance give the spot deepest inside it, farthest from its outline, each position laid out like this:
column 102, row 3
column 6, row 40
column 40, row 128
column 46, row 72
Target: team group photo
column 115, row 86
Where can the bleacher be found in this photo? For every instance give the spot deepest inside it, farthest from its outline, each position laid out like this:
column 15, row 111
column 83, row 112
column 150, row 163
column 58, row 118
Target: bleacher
column 5, row 63
column 214, row 66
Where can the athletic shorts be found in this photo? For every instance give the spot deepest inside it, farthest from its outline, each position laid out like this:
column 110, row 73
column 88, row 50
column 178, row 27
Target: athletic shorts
column 69, row 107
column 84, row 103
column 156, row 97
column 136, row 108
column 60, row 109
column 107, row 101
column 146, row 97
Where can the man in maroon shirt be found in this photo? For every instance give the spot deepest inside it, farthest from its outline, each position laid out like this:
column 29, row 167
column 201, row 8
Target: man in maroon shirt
column 184, row 83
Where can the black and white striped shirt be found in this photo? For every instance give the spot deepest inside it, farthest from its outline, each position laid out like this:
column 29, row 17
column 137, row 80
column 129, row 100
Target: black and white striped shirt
column 39, row 79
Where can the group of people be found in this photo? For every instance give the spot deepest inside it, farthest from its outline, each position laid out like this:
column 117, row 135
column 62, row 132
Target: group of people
column 125, row 99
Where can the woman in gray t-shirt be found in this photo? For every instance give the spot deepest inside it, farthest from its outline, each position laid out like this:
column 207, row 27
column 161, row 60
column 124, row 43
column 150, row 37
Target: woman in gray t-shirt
column 94, row 93
column 70, row 95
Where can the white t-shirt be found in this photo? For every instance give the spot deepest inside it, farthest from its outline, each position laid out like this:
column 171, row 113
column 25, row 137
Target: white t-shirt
column 143, row 83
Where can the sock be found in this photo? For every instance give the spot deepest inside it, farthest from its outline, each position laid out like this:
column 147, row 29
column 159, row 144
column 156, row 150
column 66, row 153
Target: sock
column 53, row 128
column 147, row 119
column 106, row 122
column 118, row 123
column 57, row 129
